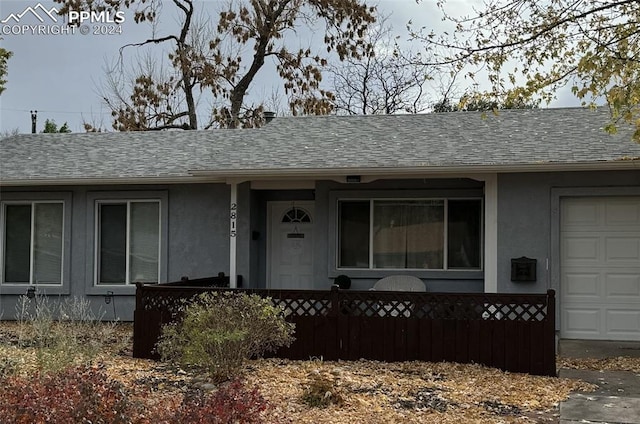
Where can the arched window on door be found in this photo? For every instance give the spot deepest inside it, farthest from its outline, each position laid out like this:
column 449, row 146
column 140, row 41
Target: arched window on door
column 296, row 215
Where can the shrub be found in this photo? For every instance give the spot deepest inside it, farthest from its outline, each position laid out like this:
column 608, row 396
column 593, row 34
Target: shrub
column 322, row 391
column 231, row 403
column 79, row 394
column 219, row 331
column 85, row 394
column 8, row 364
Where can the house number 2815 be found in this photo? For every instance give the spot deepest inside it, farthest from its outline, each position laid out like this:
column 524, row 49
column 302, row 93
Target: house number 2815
column 233, row 216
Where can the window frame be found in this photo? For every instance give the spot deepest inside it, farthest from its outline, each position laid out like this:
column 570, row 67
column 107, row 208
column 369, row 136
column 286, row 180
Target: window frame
column 94, row 200
column 31, row 199
column 410, row 195
column 128, row 203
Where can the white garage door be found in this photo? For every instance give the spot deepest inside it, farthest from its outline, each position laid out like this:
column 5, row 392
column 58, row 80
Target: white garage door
column 600, row 268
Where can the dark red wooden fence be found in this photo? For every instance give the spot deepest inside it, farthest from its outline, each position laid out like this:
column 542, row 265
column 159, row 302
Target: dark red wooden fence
column 514, row 332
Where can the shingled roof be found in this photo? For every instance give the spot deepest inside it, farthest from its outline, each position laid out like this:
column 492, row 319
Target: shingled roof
column 321, row 146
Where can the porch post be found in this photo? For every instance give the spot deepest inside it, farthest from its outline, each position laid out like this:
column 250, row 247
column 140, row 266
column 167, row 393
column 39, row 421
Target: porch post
column 233, row 232
column 491, row 233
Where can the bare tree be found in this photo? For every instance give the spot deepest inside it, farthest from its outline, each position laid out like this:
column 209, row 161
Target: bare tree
column 144, row 95
column 383, row 81
column 9, row 133
column 94, row 123
column 257, row 28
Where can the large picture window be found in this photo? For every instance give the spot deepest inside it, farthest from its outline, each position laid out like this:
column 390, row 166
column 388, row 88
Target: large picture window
column 128, row 241
column 33, row 242
column 410, row 234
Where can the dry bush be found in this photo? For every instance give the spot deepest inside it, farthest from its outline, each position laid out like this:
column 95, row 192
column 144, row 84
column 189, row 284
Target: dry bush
column 221, row 330
column 322, row 390
column 63, row 331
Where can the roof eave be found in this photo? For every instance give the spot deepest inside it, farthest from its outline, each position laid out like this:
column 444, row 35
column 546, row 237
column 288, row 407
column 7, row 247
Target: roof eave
column 109, row 181
column 260, row 174
column 225, row 175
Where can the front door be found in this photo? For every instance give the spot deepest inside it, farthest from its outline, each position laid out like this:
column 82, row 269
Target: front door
column 290, row 245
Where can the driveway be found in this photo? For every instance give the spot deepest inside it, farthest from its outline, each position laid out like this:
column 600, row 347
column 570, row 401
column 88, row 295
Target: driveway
column 617, row 398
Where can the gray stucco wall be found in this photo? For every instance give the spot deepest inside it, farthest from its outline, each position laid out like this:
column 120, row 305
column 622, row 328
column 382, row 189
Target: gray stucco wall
column 196, row 242
column 197, row 231
column 528, row 218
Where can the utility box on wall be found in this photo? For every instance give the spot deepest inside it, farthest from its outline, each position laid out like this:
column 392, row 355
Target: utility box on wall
column 523, row 269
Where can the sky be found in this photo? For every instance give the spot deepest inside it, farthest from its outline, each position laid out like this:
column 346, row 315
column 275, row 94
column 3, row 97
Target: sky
column 61, row 75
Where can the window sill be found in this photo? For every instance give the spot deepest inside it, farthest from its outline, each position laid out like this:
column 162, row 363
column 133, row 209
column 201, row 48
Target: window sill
column 423, row 274
column 120, row 290
column 20, row 289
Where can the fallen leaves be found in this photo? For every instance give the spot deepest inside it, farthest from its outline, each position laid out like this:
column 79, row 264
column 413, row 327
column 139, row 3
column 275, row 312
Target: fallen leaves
column 410, row 392
column 620, row 363
column 370, row 391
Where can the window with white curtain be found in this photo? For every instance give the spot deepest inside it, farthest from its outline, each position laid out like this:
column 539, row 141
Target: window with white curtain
column 127, row 241
column 33, row 242
column 440, row 234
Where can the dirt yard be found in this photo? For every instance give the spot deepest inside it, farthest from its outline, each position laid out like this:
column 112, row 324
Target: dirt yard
column 362, row 391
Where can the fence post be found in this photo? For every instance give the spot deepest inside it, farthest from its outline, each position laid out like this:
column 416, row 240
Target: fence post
column 550, row 334
column 139, row 288
column 334, row 311
column 138, row 323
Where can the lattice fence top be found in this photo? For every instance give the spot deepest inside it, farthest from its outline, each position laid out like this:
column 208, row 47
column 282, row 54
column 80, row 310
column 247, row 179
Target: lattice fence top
column 418, row 305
